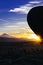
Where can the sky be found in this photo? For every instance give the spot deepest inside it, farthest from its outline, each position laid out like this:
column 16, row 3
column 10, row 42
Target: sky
column 13, row 16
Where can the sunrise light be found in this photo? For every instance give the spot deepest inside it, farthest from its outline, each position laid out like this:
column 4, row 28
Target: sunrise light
column 29, row 37
column 36, row 38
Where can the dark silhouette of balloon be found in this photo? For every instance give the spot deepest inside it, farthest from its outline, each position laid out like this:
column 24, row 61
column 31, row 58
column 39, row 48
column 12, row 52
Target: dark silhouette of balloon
column 35, row 20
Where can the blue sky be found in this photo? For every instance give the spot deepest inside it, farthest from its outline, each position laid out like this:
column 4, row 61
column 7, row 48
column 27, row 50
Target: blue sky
column 13, row 15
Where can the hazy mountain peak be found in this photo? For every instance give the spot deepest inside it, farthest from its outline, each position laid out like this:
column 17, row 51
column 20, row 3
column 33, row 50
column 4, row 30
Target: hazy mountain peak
column 5, row 35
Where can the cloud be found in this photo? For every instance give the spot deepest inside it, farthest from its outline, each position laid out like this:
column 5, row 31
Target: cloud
column 3, row 20
column 35, row 2
column 24, row 9
column 18, row 27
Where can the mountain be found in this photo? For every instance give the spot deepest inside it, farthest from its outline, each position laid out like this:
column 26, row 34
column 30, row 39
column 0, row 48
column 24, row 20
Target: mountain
column 7, row 38
column 6, row 35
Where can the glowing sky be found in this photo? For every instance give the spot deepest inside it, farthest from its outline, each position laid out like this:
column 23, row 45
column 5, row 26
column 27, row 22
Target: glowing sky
column 13, row 16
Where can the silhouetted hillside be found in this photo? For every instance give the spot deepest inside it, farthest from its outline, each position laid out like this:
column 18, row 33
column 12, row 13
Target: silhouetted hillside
column 14, row 51
column 20, row 53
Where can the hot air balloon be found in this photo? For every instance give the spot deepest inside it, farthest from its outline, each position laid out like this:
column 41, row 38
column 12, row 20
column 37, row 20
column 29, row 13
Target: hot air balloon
column 35, row 20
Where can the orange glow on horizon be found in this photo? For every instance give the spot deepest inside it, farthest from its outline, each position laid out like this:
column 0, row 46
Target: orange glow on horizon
column 29, row 37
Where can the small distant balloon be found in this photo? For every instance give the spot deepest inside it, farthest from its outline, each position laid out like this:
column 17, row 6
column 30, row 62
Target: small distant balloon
column 35, row 20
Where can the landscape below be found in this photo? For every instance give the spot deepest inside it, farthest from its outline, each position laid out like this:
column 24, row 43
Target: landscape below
column 15, row 51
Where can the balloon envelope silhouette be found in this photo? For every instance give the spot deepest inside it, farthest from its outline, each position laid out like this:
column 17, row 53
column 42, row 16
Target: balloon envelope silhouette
column 35, row 20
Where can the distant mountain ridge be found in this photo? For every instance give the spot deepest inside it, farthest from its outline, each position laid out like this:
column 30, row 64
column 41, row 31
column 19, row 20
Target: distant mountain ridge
column 7, row 38
column 6, row 35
